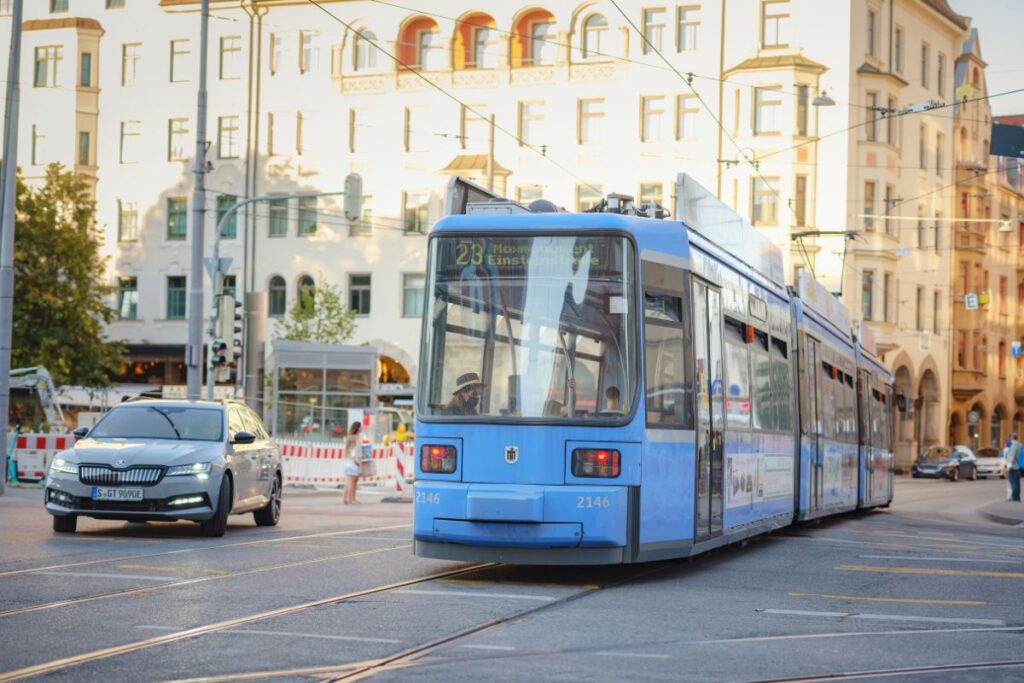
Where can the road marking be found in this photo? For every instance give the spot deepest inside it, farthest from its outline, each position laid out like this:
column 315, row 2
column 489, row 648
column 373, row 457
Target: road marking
column 915, row 601
column 925, row 570
column 630, row 654
column 953, row 545
column 182, row 570
column 854, row 634
column 96, row 575
column 886, row 617
column 503, row 648
column 499, row 582
column 938, row 559
column 475, row 594
column 289, row 634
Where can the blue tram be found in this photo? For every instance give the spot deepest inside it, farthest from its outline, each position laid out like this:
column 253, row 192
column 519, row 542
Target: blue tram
column 605, row 387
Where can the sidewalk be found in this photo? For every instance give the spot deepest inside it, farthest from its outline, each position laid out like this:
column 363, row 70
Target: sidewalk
column 1004, row 512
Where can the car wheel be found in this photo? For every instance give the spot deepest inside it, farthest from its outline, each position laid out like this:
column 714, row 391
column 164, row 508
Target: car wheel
column 974, row 474
column 955, row 474
column 66, row 524
column 218, row 524
column 269, row 514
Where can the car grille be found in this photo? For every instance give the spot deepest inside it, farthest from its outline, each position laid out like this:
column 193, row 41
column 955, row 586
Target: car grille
column 103, row 475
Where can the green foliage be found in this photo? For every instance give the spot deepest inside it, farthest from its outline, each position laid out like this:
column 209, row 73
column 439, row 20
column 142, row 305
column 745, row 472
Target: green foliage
column 320, row 317
column 60, row 299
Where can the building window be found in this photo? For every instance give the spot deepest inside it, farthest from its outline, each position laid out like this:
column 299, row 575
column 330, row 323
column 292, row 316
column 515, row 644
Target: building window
column 531, row 121
column 359, row 294
column 6, row 8
column 300, row 120
column 803, row 100
column 127, row 298
column 872, row 31
column 650, row 193
column 590, row 120
column 127, row 221
column 1002, row 295
column 588, row 196
column 271, row 134
column 687, row 115
column 898, row 50
column 229, row 286
column 867, row 294
column 652, row 118
column 654, row 30
column 278, row 218
column 924, row 65
column 224, row 204
column 58, row 6
column 177, row 139
column 765, row 203
column 306, row 293
column 887, row 297
column 890, row 122
column 128, row 151
column 84, row 148
column 525, row 194
column 276, row 53
column 412, row 295
column 309, row 57
column 276, row 296
column 227, row 137
column 542, row 46
column 774, row 17
column 177, row 218
column 429, row 51
column 872, row 114
column 890, row 204
column 85, row 70
column 474, row 126
column 115, row 4
column 800, row 200
column 940, row 141
column 415, row 211
column 922, row 149
column 920, row 227
column 687, row 22
column 869, row 205
column 181, row 60
column 936, row 310
column 364, row 54
column 919, row 312
column 940, row 76
column 594, row 30
column 39, row 156
column 131, row 53
column 961, row 348
column 46, row 62
column 176, row 297
column 307, row 216
column 230, row 58
column 484, row 45
column 767, row 104
column 1002, row 375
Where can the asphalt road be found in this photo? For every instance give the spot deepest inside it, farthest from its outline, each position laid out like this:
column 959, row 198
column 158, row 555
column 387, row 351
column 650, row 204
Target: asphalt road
column 927, row 590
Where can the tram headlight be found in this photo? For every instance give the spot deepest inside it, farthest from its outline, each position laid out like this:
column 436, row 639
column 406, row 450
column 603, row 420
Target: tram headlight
column 596, row 462
column 438, row 459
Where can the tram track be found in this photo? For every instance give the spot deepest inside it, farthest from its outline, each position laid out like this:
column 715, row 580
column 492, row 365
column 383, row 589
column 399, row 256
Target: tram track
column 177, row 636
column 902, row 671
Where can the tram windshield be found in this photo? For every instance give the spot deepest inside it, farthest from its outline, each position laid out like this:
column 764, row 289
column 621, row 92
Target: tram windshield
column 531, row 328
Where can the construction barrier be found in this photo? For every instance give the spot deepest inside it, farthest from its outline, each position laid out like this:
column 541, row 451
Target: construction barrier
column 315, row 463
column 33, row 452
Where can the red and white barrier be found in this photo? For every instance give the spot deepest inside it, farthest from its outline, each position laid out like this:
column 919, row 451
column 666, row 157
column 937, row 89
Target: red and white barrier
column 33, row 453
column 323, row 464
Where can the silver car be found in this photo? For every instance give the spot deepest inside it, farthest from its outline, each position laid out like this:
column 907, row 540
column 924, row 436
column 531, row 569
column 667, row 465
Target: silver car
column 162, row 460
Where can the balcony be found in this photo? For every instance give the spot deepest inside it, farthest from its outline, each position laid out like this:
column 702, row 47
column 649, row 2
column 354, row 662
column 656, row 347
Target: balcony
column 967, row 383
column 971, row 240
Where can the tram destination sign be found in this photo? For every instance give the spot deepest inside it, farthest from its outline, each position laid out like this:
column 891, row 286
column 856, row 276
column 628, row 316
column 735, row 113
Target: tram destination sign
column 521, row 252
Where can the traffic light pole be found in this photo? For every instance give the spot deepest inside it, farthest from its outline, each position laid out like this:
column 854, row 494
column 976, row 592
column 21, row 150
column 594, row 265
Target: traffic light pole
column 194, row 348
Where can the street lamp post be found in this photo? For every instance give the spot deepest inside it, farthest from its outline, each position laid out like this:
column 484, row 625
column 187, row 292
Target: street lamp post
column 193, row 351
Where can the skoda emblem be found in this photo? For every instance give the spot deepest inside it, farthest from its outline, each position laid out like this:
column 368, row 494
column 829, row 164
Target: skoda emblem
column 120, row 462
column 511, row 454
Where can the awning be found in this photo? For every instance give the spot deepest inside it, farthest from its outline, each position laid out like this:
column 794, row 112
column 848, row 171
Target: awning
column 473, row 162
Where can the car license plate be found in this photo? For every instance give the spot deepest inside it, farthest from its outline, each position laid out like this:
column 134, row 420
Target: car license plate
column 110, row 493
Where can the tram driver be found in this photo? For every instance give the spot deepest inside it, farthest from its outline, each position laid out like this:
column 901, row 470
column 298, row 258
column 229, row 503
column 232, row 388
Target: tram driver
column 612, row 402
column 466, row 396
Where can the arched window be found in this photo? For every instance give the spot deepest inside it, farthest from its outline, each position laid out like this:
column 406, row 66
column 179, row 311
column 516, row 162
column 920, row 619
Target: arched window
column 420, row 45
column 364, row 53
column 996, row 427
column 305, row 292
column 533, row 39
column 542, row 45
column 594, row 29
column 277, row 296
column 476, row 43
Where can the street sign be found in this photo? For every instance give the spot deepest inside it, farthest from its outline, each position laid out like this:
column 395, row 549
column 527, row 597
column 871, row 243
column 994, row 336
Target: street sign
column 211, row 269
column 900, row 252
column 1015, row 349
column 353, row 197
column 971, row 302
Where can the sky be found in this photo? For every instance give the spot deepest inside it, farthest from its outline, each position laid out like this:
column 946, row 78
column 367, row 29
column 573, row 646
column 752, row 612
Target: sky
column 999, row 24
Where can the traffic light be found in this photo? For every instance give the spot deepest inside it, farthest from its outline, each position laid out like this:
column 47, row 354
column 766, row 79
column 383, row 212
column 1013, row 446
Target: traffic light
column 228, row 330
column 218, row 355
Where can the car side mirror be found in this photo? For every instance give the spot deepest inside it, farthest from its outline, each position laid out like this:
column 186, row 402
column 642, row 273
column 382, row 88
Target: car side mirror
column 243, row 438
column 80, row 433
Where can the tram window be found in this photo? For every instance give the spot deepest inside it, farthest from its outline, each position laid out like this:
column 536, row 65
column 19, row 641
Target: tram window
column 669, row 378
column 663, row 307
column 827, row 389
column 781, row 388
column 763, row 399
column 737, row 399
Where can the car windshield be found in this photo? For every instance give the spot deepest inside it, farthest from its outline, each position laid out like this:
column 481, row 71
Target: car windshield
column 935, row 454
column 988, row 453
column 184, row 423
column 537, row 327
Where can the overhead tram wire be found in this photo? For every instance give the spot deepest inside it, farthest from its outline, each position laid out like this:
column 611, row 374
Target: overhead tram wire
column 443, row 91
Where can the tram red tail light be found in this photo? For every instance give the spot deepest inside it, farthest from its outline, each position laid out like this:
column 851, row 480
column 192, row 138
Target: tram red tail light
column 596, row 462
column 438, row 459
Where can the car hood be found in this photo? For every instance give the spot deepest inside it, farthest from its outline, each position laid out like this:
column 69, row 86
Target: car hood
column 143, row 451
column 989, row 461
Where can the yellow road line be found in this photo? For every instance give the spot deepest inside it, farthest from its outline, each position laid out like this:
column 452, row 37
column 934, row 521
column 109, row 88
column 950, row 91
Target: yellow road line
column 915, row 601
column 937, row 572
column 183, row 570
column 499, row 582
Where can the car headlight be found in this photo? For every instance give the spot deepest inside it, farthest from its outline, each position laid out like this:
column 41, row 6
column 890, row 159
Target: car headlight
column 185, row 470
column 63, row 466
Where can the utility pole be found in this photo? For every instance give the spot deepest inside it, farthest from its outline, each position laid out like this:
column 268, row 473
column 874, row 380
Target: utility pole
column 194, row 348
column 8, row 201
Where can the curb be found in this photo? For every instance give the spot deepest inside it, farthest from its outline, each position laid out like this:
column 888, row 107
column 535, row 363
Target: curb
column 1001, row 519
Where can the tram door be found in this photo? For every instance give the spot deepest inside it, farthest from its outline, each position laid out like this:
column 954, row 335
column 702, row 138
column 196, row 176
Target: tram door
column 814, row 443
column 707, row 342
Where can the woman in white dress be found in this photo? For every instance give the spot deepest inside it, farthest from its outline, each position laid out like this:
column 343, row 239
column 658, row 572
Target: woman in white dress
column 352, row 447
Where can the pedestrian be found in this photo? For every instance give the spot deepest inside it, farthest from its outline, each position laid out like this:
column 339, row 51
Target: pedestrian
column 1015, row 458
column 352, row 448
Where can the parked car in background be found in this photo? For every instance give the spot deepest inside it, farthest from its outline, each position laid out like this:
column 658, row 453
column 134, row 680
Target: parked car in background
column 157, row 460
column 991, row 463
column 936, row 462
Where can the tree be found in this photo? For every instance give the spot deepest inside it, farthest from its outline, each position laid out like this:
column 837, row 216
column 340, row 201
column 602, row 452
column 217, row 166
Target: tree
column 60, row 299
column 319, row 316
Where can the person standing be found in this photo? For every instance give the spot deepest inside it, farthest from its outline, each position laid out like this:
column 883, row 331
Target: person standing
column 352, row 451
column 1013, row 458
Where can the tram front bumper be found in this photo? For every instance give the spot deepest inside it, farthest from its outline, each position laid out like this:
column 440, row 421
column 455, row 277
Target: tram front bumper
column 521, row 516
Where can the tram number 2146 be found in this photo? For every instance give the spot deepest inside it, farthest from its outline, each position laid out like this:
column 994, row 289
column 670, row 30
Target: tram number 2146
column 428, row 498
column 584, row 502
